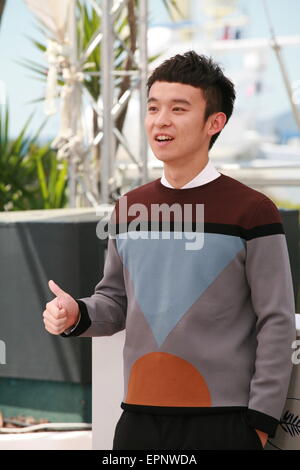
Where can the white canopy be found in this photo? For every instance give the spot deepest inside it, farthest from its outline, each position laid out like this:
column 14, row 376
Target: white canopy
column 53, row 14
column 58, row 18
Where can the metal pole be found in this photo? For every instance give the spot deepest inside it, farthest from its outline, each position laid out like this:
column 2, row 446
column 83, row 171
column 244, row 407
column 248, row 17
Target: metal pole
column 143, row 47
column 73, row 41
column 107, row 151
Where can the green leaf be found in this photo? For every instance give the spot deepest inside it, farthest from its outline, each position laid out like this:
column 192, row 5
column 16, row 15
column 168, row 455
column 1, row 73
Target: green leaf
column 28, row 171
column 42, row 181
column 61, row 185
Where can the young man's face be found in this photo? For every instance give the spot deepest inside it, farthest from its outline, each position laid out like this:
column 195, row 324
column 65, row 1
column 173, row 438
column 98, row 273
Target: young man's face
column 175, row 122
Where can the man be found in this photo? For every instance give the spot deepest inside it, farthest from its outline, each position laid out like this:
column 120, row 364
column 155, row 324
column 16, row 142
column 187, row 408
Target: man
column 208, row 309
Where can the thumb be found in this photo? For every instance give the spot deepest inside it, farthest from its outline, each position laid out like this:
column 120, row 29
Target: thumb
column 55, row 288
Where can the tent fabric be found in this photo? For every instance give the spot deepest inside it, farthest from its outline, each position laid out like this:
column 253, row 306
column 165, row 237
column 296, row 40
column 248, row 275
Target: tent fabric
column 53, row 14
column 57, row 18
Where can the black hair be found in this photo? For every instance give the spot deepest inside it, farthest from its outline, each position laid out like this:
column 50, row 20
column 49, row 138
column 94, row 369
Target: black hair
column 202, row 72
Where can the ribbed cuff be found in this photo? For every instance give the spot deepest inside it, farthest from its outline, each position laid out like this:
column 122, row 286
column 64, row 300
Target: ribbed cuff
column 84, row 323
column 262, row 422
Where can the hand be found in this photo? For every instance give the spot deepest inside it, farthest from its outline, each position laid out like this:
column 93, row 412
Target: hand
column 263, row 437
column 62, row 312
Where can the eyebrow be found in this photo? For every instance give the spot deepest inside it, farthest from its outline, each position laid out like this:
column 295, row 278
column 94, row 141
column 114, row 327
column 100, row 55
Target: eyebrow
column 175, row 100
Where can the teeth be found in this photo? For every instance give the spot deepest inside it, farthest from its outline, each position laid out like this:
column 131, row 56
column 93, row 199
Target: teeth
column 163, row 137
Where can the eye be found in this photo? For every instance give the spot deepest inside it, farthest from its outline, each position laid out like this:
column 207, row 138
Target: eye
column 177, row 108
column 151, row 109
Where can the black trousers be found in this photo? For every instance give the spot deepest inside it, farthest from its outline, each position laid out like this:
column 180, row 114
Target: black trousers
column 220, row 431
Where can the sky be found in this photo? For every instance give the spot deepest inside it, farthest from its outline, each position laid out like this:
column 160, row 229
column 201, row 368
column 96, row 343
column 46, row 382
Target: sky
column 18, row 24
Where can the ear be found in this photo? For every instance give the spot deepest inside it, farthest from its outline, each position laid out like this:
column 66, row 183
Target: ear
column 215, row 123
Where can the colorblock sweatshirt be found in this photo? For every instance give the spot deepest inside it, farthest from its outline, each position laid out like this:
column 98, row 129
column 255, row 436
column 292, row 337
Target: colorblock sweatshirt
column 200, row 280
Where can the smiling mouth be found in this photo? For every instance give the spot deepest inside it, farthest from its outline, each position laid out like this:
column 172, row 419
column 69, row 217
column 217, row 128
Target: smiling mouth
column 163, row 139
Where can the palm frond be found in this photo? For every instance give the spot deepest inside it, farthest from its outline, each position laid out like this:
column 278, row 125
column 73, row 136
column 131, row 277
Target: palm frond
column 172, row 4
column 290, row 423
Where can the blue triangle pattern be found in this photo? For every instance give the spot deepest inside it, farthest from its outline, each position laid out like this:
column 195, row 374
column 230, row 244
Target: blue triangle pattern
column 168, row 278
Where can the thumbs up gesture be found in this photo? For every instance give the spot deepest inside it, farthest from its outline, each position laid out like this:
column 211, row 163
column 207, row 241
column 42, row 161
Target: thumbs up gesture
column 62, row 312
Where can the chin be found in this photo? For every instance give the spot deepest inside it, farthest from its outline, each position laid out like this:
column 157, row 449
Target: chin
column 164, row 158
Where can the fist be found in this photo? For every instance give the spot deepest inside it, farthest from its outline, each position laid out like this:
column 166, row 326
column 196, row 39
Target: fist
column 62, row 312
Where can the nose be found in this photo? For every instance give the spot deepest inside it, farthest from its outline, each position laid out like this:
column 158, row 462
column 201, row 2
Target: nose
column 162, row 118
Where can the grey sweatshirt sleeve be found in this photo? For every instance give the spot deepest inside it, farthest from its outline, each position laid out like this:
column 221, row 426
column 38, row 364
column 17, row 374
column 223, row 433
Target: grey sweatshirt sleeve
column 269, row 276
column 104, row 313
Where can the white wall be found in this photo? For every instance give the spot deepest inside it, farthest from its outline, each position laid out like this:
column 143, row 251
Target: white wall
column 107, row 388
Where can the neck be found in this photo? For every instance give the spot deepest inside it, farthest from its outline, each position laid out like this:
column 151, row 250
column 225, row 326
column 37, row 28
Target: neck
column 179, row 176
